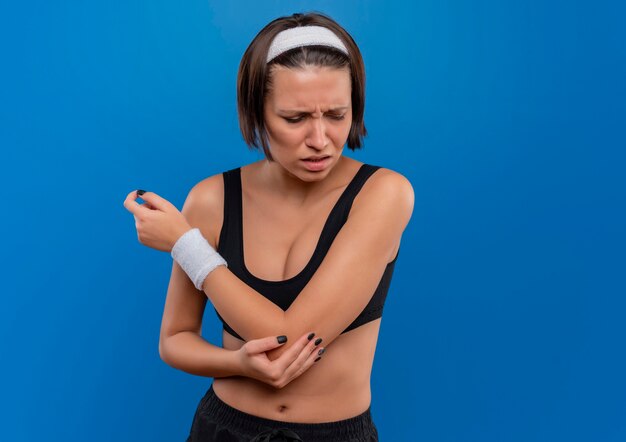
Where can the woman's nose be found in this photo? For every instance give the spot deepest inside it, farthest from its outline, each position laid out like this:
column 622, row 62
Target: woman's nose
column 317, row 134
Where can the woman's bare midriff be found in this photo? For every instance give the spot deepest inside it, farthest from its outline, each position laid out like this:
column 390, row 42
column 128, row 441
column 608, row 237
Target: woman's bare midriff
column 336, row 387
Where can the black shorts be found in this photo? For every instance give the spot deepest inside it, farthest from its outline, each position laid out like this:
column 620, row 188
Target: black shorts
column 215, row 420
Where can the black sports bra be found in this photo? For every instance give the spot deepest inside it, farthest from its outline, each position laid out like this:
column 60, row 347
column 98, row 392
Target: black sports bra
column 283, row 293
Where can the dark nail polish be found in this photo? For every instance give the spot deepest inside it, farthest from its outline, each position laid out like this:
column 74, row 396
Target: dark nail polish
column 282, row 339
column 310, row 336
column 321, row 352
column 317, row 359
column 141, row 192
column 318, row 341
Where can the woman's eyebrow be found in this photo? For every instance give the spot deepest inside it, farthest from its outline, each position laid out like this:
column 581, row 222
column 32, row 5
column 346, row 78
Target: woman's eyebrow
column 297, row 111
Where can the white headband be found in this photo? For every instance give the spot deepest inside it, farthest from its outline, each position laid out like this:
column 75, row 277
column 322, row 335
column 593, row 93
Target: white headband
column 304, row 36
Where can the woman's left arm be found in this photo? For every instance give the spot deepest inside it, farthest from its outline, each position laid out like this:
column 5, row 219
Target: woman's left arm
column 344, row 282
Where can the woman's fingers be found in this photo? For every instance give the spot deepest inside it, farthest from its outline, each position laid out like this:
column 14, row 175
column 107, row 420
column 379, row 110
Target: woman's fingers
column 255, row 363
column 133, row 206
column 289, row 365
column 156, row 201
column 313, row 357
column 152, row 201
column 297, row 359
column 265, row 344
column 292, row 353
column 303, row 361
column 158, row 222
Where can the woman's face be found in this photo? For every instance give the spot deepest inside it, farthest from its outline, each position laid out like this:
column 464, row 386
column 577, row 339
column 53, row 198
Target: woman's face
column 308, row 113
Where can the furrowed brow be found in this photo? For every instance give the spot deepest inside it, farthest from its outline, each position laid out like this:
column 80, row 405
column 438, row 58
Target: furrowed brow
column 298, row 111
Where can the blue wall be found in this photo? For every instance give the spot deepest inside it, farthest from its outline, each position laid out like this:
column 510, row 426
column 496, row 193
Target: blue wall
column 505, row 318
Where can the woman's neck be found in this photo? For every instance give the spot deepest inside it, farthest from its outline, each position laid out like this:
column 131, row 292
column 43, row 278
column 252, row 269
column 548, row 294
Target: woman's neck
column 281, row 182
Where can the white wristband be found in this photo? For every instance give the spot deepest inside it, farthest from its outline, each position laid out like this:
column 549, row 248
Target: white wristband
column 196, row 256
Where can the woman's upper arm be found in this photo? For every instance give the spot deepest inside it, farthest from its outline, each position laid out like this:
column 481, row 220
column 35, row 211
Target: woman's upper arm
column 351, row 270
column 184, row 304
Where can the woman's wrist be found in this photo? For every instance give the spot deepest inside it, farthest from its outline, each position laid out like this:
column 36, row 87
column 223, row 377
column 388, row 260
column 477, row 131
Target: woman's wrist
column 234, row 362
column 178, row 234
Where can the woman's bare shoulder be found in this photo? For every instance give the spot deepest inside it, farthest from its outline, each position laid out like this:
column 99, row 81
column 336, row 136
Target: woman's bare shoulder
column 204, row 207
column 208, row 194
column 388, row 184
column 205, row 196
column 386, row 196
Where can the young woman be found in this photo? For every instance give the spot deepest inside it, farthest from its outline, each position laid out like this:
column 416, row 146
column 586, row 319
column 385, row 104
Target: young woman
column 295, row 252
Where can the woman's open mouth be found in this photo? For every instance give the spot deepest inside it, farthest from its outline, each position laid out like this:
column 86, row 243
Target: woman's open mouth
column 316, row 165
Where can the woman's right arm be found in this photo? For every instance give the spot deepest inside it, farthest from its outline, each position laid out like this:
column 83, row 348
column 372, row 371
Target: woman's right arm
column 182, row 346
column 189, row 352
column 180, row 342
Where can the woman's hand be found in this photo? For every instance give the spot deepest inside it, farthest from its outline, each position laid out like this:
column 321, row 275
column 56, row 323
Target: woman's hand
column 278, row 373
column 158, row 222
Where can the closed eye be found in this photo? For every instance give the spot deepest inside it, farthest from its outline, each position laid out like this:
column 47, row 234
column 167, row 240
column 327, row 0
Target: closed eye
column 337, row 117
column 297, row 120
column 293, row 120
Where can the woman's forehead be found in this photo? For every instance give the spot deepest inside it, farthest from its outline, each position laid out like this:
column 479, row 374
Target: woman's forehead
column 301, row 89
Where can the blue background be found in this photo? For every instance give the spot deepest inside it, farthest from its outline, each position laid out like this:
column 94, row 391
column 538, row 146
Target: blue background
column 505, row 319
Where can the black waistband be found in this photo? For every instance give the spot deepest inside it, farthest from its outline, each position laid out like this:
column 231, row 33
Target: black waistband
column 357, row 427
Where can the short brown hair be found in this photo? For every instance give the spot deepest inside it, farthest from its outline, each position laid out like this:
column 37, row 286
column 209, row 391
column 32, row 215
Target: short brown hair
column 254, row 75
